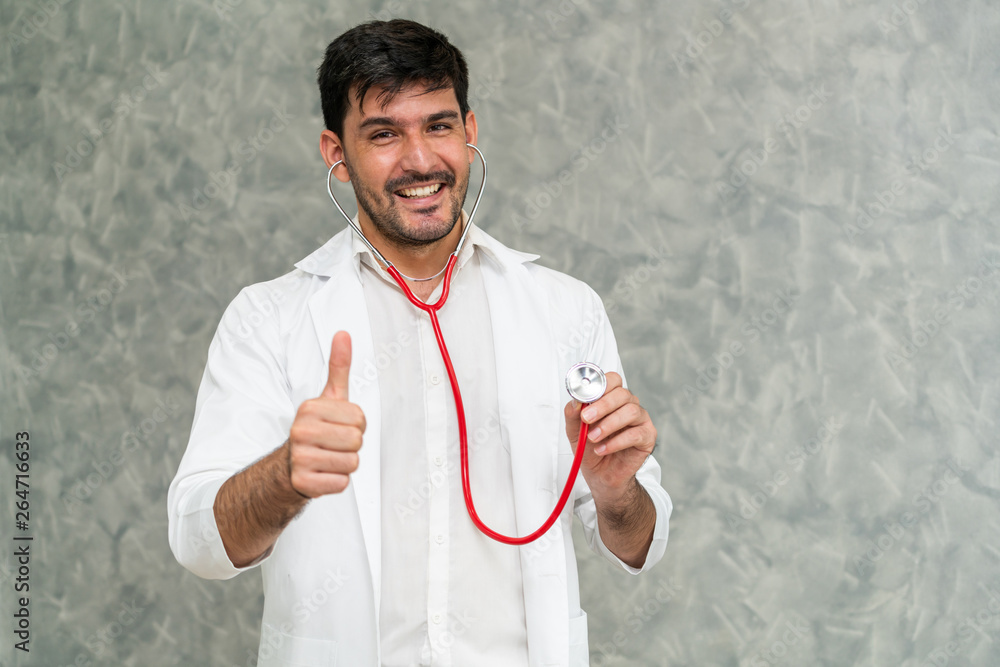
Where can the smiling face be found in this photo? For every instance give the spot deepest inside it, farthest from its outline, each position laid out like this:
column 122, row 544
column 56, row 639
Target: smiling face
column 409, row 163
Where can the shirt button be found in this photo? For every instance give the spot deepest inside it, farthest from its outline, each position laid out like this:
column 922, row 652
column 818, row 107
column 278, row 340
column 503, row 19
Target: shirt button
column 435, row 378
column 439, row 539
column 436, row 618
column 439, row 461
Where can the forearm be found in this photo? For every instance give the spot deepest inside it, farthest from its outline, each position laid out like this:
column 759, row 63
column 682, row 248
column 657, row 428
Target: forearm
column 254, row 506
column 626, row 522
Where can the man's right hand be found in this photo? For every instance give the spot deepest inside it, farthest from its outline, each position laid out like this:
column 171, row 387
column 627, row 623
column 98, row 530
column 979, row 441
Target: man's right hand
column 326, row 435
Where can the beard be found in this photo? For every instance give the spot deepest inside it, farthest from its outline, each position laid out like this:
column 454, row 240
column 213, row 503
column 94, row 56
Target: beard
column 387, row 215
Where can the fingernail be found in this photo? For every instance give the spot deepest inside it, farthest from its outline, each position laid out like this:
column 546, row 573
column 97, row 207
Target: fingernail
column 595, row 434
column 588, row 414
column 601, row 449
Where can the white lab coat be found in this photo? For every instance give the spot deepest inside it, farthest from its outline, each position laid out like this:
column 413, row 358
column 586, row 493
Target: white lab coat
column 322, row 577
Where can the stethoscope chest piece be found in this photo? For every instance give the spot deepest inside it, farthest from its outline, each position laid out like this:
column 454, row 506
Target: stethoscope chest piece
column 586, row 382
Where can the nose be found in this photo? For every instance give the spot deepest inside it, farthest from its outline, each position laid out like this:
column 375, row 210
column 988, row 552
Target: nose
column 418, row 156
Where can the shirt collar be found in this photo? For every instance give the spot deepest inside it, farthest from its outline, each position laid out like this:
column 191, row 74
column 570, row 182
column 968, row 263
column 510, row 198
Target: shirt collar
column 347, row 247
column 473, row 240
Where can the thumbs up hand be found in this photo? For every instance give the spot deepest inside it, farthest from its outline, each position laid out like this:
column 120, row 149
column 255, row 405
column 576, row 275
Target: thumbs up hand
column 326, row 434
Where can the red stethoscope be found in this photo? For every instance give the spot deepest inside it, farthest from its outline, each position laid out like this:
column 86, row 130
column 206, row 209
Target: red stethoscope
column 585, row 381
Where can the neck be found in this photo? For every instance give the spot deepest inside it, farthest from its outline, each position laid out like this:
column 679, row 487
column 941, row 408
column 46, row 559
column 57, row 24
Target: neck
column 420, row 261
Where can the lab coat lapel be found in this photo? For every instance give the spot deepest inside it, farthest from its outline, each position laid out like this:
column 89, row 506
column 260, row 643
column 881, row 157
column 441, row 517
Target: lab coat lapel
column 340, row 305
column 532, row 417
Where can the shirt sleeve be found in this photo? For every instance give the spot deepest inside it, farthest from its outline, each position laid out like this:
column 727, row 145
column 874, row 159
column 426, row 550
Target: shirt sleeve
column 243, row 412
column 603, row 351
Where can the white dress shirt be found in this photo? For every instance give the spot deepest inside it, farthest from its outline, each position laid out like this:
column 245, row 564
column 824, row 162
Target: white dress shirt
column 450, row 595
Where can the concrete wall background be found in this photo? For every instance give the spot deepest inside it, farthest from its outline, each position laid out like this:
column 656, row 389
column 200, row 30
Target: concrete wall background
column 836, row 475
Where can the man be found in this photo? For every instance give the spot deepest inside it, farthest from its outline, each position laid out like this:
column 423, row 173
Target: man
column 324, row 446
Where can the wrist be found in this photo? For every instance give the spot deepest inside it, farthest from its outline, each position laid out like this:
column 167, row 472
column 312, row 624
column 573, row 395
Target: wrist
column 617, row 497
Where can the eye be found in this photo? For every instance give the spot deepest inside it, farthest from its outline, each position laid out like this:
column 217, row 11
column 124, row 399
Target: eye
column 382, row 134
column 440, row 127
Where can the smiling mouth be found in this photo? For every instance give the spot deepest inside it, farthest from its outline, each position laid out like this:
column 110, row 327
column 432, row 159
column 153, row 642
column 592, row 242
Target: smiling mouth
column 422, row 191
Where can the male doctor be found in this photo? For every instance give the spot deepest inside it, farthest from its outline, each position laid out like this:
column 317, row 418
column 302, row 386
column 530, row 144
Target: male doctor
column 324, row 447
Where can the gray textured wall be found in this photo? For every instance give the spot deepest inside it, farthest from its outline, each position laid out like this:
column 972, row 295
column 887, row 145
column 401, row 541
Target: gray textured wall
column 793, row 223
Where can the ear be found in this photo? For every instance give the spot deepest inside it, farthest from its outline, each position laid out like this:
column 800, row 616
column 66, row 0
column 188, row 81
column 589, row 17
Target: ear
column 332, row 150
column 471, row 133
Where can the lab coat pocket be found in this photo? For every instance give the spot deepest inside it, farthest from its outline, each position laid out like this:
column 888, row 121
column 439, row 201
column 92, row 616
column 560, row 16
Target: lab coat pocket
column 579, row 653
column 284, row 650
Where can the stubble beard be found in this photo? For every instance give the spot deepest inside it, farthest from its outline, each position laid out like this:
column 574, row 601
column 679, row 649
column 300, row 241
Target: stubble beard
column 388, row 219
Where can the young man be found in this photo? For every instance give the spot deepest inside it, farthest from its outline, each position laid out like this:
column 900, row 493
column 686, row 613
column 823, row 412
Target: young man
column 325, row 446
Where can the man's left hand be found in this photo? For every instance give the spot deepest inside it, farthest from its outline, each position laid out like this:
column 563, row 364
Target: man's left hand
column 621, row 437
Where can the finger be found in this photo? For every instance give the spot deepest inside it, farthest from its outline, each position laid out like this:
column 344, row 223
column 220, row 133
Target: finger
column 316, row 484
column 331, row 437
column 638, row 437
column 331, row 411
column 611, row 401
column 614, row 381
column 312, row 459
column 340, row 367
column 338, row 438
column 630, row 414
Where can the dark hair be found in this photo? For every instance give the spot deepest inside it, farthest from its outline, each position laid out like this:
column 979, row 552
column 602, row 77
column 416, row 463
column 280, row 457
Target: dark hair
column 391, row 54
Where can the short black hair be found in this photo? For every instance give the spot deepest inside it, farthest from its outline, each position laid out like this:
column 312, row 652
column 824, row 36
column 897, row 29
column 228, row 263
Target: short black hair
column 390, row 54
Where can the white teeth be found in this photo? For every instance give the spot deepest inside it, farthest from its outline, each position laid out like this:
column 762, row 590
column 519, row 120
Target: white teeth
column 420, row 192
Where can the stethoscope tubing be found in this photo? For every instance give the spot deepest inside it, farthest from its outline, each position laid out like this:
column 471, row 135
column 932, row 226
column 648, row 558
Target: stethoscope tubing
column 463, row 438
column 431, row 309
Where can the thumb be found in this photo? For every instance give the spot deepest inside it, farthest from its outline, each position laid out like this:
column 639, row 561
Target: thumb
column 572, row 414
column 340, row 367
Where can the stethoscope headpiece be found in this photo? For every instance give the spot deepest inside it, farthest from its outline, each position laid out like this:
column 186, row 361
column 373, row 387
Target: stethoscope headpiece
column 586, row 382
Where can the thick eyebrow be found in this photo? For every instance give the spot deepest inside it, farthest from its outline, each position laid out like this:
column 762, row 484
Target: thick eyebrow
column 442, row 115
column 386, row 120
